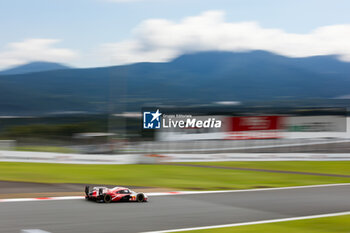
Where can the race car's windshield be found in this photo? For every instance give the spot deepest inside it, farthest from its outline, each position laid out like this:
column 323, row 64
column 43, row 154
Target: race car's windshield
column 125, row 191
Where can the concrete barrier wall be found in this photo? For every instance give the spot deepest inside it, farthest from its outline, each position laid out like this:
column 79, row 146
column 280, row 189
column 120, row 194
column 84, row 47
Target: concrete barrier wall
column 43, row 157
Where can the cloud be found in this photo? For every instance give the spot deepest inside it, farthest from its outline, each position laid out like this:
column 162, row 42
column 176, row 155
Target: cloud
column 158, row 40
column 34, row 50
column 125, row 0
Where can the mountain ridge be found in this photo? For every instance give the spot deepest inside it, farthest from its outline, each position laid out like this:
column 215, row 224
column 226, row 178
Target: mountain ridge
column 33, row 67
column 197, row 78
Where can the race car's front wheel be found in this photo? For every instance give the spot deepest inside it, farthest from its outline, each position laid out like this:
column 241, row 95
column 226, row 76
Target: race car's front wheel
column 107, row 198
column 140, row 197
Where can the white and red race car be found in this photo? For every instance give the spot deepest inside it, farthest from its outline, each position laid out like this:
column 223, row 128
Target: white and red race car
column 116, row 194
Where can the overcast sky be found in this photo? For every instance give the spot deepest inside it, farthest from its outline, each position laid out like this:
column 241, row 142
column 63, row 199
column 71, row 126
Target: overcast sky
column 90, row 33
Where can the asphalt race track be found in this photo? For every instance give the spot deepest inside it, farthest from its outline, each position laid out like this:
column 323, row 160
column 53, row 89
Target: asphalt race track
column 172, row 212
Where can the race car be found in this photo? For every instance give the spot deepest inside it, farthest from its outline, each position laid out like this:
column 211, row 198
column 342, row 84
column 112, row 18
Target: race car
column 116, row 194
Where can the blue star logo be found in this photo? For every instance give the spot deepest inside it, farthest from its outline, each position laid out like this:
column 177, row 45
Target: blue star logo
column 152, row 120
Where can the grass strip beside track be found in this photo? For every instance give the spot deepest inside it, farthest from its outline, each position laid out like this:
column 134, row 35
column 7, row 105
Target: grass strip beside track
column 339, row 224
column 175, row 177
column 330, row 167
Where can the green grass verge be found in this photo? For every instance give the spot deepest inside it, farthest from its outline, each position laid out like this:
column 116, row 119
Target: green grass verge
column 55, row 149
column 339, row 224
column 331, row 167
column 175, row 177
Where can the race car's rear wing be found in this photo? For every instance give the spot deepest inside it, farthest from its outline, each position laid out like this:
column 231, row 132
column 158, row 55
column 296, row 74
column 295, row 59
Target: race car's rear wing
column 100, row 191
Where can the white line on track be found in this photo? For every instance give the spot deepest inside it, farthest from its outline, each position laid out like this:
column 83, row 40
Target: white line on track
column 176, row 193
column 244, row 190
column 253, row 223
column 33, row 231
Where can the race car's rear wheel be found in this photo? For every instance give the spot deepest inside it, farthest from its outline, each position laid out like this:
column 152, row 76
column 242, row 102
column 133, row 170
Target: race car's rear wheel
column 107, row 198
column 140, row 197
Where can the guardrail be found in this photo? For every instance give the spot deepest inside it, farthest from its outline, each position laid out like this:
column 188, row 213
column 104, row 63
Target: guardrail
column 47, row 157
column 256, row 157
